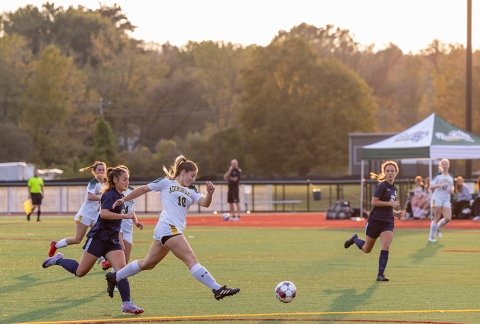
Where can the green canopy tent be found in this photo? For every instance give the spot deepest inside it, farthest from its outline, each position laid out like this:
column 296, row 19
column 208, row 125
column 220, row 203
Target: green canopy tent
column 432, row 138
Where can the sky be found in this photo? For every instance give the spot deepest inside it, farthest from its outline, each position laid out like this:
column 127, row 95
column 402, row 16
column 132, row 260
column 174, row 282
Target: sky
column 410, row 24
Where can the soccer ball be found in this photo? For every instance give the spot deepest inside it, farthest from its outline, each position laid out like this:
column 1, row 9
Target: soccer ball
column 285, row 291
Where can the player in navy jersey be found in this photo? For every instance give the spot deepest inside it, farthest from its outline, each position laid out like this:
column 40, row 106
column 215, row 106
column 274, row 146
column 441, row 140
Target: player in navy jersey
column 177, row 194
column 87, row 215
column 381, row 219
column 103, row 238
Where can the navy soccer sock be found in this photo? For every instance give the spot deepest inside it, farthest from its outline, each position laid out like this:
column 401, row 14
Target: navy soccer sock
column 124, row 289
column 68, row 264
column 359, row 242
column 382, row 262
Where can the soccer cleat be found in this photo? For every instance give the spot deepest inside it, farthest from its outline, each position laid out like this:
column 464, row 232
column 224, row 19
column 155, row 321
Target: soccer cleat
column 105, row 265
column 50, row 261
column 432, row 240
column 224, row 292
column 350, row 241
column 52, row 249
column 111, row 282
column 131, row 308
column 382, row 278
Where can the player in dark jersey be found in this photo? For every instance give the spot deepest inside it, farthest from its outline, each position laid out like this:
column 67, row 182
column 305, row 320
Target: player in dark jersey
column 103, row 238
column 381, row 219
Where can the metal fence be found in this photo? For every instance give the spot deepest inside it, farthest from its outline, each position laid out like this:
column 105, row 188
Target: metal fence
column 255, row 196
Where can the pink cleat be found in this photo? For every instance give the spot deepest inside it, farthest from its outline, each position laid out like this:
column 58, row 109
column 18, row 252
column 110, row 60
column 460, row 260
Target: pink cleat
column 131, row 308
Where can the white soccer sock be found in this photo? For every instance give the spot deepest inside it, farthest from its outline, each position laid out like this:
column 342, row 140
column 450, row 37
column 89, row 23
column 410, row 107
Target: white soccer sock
column 130, row 269
column 433, row 229
column 61, row 244
column 441, row 223
column 202, row 275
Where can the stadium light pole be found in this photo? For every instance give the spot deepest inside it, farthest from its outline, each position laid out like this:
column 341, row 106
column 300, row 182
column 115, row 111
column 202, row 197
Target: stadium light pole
column 468, row 99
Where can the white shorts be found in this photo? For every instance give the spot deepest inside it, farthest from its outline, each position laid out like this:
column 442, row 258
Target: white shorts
column 436, row 202
column 164, row 229
column 127, row 237
column 127, row 230
column 86, row 220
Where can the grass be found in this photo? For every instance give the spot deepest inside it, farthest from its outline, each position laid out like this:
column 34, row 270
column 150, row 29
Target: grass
column 430, row 283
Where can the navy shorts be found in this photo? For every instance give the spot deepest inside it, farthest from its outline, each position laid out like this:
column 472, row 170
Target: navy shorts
column 233, row 195
column 374, row 227
column 36, row 198
column 99, row 248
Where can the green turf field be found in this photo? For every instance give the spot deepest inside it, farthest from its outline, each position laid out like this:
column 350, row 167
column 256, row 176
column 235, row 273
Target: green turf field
column 430, row 283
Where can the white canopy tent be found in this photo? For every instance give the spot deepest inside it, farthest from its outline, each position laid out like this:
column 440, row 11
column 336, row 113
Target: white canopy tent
column 432, row 138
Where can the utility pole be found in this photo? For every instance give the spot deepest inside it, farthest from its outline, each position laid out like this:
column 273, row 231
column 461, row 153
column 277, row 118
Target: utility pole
column 100, row 105
column 468, row 99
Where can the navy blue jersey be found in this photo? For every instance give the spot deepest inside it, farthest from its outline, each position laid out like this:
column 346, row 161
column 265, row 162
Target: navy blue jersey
column 108, row 230
column 384, row 191
column 235, row 173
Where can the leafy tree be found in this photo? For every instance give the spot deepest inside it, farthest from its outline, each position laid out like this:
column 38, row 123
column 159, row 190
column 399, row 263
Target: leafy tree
column 53, row 102
column 327, row 42
column 123, row 80
column 291, row 96
column 16, row 144
column 212, row 149
column 139, row 162
column 449, row 87
column 175, row 105
column 104, row 145
column 14, row 60
column 399, row 83
column 218, row 68
column 74, row 30
column 31, row 23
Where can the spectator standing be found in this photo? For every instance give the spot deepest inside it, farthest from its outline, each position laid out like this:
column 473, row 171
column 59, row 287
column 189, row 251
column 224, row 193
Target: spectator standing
column 35, row 192
column 233, row 175
column 442, row 186
column 381, row 219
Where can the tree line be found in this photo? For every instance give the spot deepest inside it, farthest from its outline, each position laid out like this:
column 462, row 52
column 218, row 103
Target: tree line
column 76, row 88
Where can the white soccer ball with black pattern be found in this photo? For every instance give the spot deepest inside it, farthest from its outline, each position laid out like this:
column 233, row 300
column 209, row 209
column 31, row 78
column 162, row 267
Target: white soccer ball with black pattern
column 285, row 291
